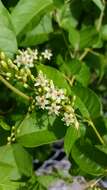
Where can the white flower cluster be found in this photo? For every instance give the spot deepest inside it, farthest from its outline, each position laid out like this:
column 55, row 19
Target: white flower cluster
column 21, row 67
column 26, row 58
column 54, row 100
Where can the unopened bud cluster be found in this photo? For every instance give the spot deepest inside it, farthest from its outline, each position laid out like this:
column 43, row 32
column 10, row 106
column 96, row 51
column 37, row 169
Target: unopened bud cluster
column 7, row 67
column 21, row 68
column 11, row 139
column 54, row 100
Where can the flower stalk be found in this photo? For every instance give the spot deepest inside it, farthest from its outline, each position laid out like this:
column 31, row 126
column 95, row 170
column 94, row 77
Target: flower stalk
column 15, row 90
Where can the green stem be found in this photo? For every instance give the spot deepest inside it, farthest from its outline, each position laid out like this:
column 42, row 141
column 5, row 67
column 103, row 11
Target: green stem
column 100, row 21
column 101, row 17
column 84, row 54
column 97, row 133
column 66, row 43
column 15, row 90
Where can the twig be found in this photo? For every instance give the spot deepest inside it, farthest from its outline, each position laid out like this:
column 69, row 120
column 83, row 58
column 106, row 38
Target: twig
column 15, row 90
column 96, row 132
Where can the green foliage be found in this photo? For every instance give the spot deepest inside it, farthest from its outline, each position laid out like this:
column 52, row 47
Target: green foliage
column 8, row 41
column 43, row 130
column 26, row 11
column 89, row 159
column 87, row 102
column 75, row 33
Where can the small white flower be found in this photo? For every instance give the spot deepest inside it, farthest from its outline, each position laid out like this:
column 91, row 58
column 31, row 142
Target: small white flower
column 41, row 80
column 54, row 109
column 60, row 96
column 26, row 58
column 41, row 101
column 52, row 94
column 51, row 91
column 35, row 54
column 47, row 54
column 68, row 118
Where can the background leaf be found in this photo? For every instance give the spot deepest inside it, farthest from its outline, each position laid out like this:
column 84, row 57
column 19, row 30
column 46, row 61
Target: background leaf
column 8, row 42
column 18, row 158
column 38, row 129
column 99, row 4
column 87, row 102
column 71, row 136
column 89, row 159
column 27, row 10
column 38, row 34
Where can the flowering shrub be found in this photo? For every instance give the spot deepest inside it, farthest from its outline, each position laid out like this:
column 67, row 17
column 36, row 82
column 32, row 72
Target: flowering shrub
column 53, row 74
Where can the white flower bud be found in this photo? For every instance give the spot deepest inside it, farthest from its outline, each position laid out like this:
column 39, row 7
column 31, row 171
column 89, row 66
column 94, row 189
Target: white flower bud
column 2, row 56
column 9, row 139
column 4, row 64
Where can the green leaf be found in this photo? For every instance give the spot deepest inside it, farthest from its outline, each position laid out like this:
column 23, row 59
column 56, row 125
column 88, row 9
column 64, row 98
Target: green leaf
column 5, row 170
column 71, row 136
column 23, row 160
column 58, row 3
column 5, row 182
column 69, row 68
column 97, row 62
column 38, row 129
column 8, row 42
column 65, row 18
column 47, row 180
column 83, row 75
column 55, row 75
column 27, row 10
column 104, row 32
column 74, row 38
column 99, row 4
column 4, row 125
column 18, row 158
column 39, row 34
column 87, row 158
column 102, row 148
column 87, row 102
column 88, row 37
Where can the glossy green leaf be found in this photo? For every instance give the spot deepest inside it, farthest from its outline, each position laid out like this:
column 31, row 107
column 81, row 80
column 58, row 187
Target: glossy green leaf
column 38, row 129
column 102, row 148
column 87, row 158
column 5, row 170
column 104, row 32
column 65, row 18
column 69, row 68
column 5, row 182
column 84, row 75
column 4, row 125
column 27, row 10
column 97, row 62
column 99, row 4
column 8, row 42
column 58, row 3
column 87, row 102
column 47, row 180
column 71, row 136
column 39, row 34
column 74, row 38
column 88, row 37
column 18, row 158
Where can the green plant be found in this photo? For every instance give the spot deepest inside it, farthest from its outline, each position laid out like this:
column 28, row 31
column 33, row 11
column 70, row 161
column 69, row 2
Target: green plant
column 53, row 75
